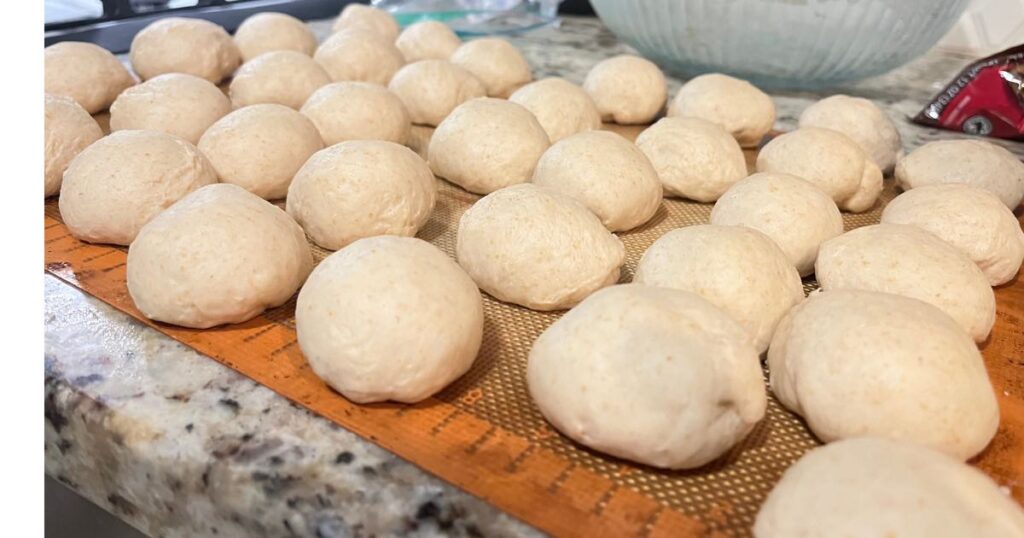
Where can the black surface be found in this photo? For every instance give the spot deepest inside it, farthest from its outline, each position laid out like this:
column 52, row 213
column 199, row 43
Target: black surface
column 576, row 7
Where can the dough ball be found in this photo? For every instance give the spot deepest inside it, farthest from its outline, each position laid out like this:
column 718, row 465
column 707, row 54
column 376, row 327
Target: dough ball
column 122, row 180
column 427, row 40
column 746, row 112
column 270, row 31
column 973, row 220
column 283, row 77
column 359, row 55
column 68, row 129
column 260, row 148
column 604, row 172
column 175, row 103
column 180, row 45
column 627, row 89
column 974, row 162
column 496, row 62
column 361, row 188
column 653, row 375
column 906, row 260
column 879, row 487
column 737, row 269
column 86, row 73
column 862, row 121
column 695, row 158
column 537, row 248
column 349, row 327
column 431, row 89
column 829, row 160
column 562, row 108
column 486, row 144
column 795, row 214
column 370, row 19
column 357, row 111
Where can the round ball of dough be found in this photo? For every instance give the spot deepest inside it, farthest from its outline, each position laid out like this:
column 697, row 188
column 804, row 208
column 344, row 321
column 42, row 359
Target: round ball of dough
column 562, row 108
column 974, row 162
column 973, row 220
column 879, row 487
column 829, row 160
column 361, row 188
column 795, row 214
column 906, row 260
column 219, row 255
column 175, row 103
column 496, row 62
column 537, row 248
column 270, row 31
column 856, row 363
column 358, row 55
column 737, row 269
column 746, row 112
column 283, row 77
column 652, row 375
column 604, row 172
column 370, row 19
column 862, row 121
column 260, row 148
column 357, row 111
column 350, row 331
column 121, row 181
column 486, row 144
column 67, row 130
column 86, row 73
column 427, row 40
column 431, row 89
column 627, row 89
column 695, row 158
column 179, row 45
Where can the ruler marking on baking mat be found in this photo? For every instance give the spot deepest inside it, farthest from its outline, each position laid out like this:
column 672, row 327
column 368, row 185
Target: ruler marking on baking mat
column 483, row 434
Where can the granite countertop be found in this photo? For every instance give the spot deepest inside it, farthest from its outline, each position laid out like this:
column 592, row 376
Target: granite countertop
column 176, row 444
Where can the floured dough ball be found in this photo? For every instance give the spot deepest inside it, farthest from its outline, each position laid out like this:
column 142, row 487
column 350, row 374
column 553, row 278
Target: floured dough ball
column 283, row 77
column 431, row 89
column 361, row 188
column 856, row 363
column 486, row 144
column 370, row 19
column 604, row 172
column 121, row 181
column 906, row 260
column 357, row 111
column 427, row 40
column 260, row 148
column 86, row 73
column 349, row 327
column 180, row 45
column 219, row 255
column 862, row 121
column 653, row 375
column 746, row 112
column 68, row 129
column 562, row 108
column 537, row 248
column 270, row 31
column 737, row 269
column 795, row 214
column 974, row 162
column 695, row 158
column 829, row 160
column 175, row 103
column 496, row 62
column 627, row 89
column 358, row 55
column 971, row 219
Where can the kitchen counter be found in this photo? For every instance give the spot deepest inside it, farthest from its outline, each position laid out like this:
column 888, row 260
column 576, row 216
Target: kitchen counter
column 176, row 444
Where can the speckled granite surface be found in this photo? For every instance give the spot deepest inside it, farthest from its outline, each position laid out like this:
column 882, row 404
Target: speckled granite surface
column 178, row 445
